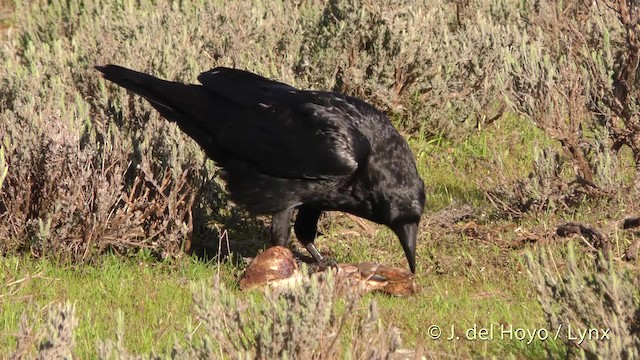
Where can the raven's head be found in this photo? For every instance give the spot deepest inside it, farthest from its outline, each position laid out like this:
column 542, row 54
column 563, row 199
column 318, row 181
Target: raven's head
column 399, row 194
column 405, row 209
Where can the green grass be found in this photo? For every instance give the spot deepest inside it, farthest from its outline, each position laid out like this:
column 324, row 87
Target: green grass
column 465, row 284
column 156, row 303
column 465, row 281
column 153, row 297
column 452, row 169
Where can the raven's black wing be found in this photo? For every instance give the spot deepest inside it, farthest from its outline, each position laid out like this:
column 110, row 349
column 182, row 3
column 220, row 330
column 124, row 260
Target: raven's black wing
column 275, row 128
column 284, row 131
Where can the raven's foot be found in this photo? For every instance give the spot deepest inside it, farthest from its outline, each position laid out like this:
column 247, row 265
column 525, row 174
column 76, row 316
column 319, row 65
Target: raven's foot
column 326, row 263
column 314, row 267
column 322, row 262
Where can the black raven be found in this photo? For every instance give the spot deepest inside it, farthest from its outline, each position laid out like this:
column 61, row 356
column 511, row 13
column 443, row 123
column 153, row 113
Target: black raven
column 282, row 149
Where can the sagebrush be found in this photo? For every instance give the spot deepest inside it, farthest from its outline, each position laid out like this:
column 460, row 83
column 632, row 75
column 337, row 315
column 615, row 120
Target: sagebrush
column 576, row 295
column 301, row 322
column 93, row 168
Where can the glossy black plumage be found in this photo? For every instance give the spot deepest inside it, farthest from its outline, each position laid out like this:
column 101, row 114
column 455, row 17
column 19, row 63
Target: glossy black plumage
column 283, row 149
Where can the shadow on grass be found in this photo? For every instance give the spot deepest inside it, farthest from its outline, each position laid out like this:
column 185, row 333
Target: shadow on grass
column 222, row 229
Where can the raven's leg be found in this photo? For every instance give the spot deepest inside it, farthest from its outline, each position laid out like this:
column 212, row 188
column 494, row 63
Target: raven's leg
column 281, row 227
column 306, row 226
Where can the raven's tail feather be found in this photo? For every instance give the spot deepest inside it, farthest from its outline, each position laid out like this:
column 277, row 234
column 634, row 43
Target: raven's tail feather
column 175, row 101
column 147, row 86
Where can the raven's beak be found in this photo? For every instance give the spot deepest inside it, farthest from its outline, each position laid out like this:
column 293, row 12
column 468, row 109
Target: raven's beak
column 407, row 234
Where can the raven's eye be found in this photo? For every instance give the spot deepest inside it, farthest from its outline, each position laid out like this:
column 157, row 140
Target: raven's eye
column 414, row 219
column 407, row 219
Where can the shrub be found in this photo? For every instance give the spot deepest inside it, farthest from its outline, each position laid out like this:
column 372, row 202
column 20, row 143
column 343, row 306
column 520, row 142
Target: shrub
column 577, row 296
column 420, row 61
column 301, row 322
column 55, row 340
column 93, row 168
column 304, row 321
column 86, row 158
column 4, row 169
column 572, row 75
